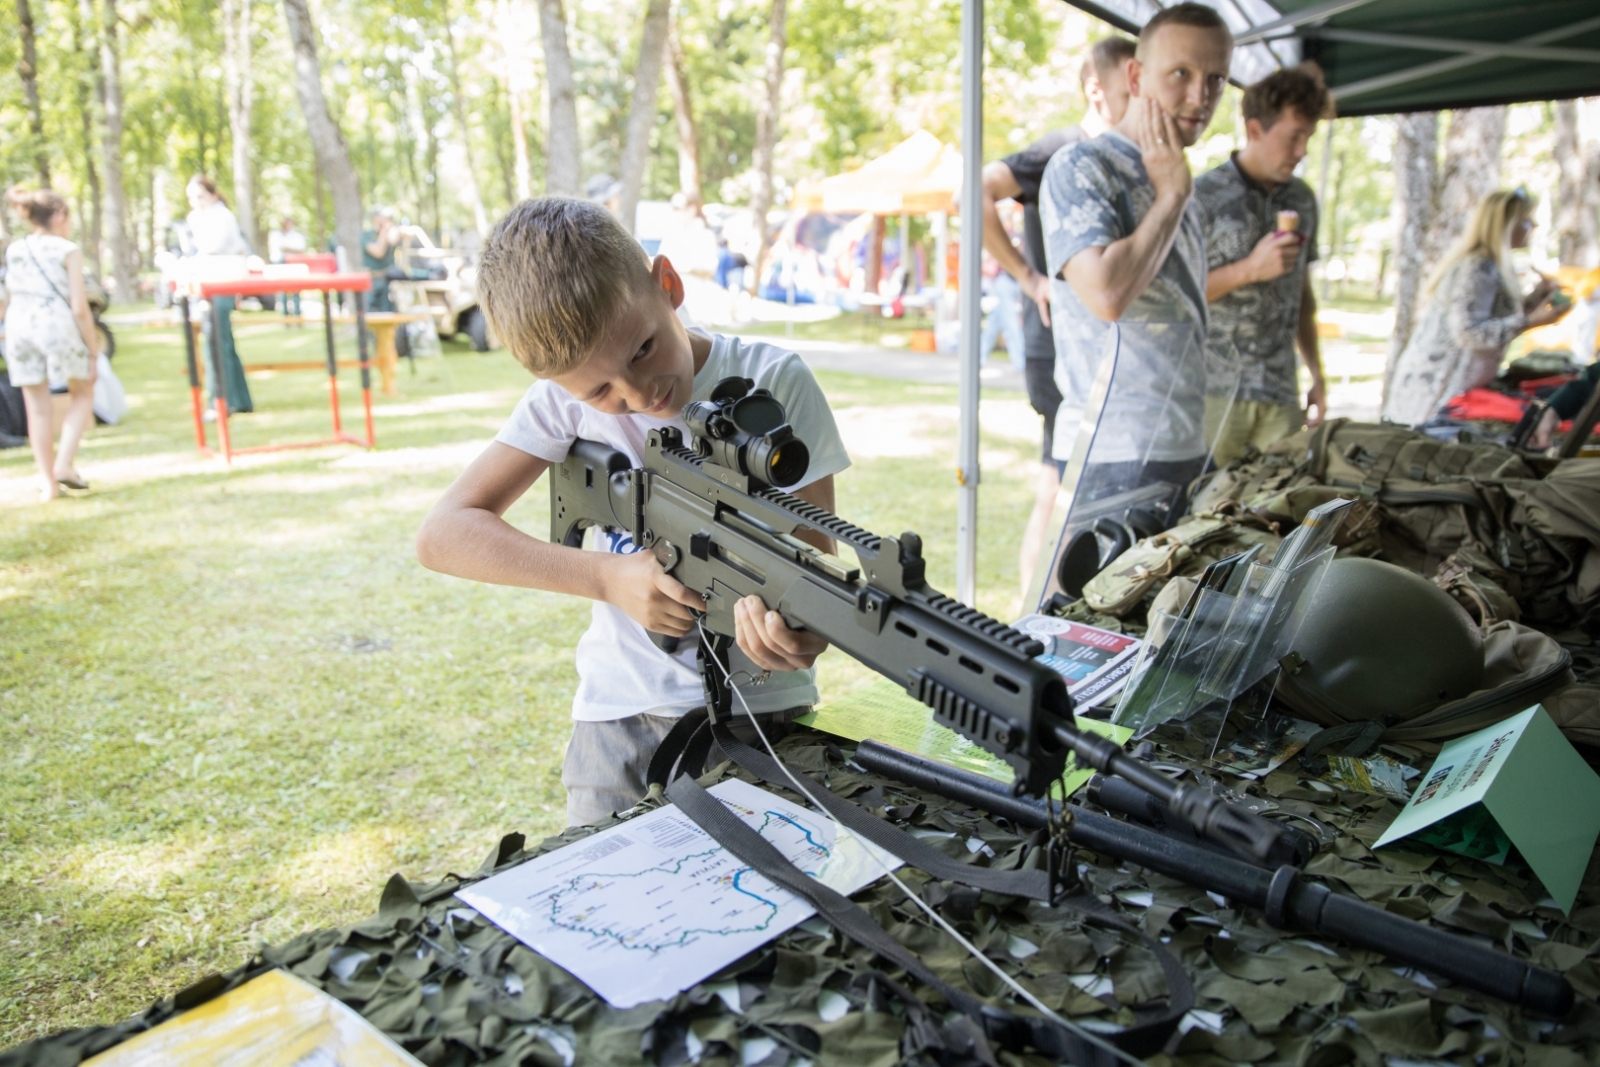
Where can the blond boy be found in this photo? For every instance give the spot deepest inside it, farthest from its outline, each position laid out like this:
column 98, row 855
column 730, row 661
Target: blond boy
column 578, row 303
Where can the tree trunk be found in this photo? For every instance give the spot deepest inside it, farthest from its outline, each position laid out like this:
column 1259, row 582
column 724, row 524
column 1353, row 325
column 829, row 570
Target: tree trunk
column 1415, row 163
column 767, row 115
column 88, row 71
column 28, row 71
column 333, row 157
column 323, row 233
column 642, row 108
column 561, row 147
column 1577, row 197
column 240, row 86
column 515, row 38
column 116, row 219
column 480, row 218
column 519, row 143
column 1470, row 172
column 688, row 137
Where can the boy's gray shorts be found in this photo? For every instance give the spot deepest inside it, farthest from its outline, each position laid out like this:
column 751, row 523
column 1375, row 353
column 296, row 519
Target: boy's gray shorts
column 605, row 764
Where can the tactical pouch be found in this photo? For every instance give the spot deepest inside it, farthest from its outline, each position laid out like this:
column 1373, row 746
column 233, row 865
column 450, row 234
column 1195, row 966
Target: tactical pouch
column 1122, row 584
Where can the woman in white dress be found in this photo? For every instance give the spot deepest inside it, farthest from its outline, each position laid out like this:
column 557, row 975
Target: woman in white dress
column 50, row 333
column 1474, row 309
column 214, row 231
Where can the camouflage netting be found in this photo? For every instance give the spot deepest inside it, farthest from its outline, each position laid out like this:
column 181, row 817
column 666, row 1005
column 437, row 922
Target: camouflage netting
column 455, row 990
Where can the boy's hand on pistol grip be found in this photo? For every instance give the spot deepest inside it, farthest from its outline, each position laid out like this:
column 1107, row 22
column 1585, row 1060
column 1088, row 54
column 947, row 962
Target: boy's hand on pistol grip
column 650, row 596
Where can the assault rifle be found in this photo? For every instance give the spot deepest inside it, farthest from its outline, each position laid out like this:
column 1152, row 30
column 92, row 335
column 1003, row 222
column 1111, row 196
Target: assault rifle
column 716, row 518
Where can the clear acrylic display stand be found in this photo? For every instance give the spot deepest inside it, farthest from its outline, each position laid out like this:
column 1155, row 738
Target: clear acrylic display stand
column 1197, row 664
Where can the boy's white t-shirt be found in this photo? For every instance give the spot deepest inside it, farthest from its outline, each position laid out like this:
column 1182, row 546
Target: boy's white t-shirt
column 620, row 673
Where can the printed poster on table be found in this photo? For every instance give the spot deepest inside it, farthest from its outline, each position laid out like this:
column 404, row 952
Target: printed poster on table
column 650, row 907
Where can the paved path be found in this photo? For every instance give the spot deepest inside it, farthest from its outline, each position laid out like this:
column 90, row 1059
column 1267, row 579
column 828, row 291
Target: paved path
column 936, row 368
column 1357, row 399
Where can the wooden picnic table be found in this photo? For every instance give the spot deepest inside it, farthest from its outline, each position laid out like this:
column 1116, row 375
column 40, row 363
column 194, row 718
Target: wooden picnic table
column 383, row 325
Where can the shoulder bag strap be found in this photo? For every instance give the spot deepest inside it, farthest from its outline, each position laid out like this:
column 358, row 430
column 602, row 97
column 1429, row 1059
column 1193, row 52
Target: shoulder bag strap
column 27, row 245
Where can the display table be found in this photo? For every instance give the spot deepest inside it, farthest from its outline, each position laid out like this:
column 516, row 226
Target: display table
column 452, row 988
column 261, row 285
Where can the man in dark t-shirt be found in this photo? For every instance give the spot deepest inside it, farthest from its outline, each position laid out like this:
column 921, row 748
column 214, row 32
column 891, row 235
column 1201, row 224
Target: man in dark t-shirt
column 1103, row 76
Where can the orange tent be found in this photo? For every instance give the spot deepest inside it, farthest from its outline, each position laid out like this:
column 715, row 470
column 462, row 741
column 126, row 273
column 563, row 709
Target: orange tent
column 918, row 176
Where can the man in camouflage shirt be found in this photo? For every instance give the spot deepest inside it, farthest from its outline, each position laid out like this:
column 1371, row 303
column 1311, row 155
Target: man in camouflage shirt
column 1259, row 282
column 1125, row 248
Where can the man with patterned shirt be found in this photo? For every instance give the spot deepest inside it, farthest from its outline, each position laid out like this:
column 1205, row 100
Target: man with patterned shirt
column 1124, row 237
column 1259, row 283
column 1103, row 78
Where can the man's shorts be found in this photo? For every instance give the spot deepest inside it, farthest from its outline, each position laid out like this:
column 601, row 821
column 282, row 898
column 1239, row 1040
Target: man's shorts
column 1251, row 423
column 1040, row 377
column 604, row 768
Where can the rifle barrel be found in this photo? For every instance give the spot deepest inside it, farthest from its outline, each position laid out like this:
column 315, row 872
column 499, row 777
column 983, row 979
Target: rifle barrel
column 1287, row 898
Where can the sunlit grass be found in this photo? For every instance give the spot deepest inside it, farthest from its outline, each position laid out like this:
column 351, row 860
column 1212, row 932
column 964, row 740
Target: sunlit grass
column 232, row 703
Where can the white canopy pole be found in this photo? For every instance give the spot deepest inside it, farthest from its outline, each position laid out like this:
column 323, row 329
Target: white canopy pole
column 971, row 295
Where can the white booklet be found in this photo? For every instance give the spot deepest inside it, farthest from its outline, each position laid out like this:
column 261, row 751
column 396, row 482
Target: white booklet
column 648, row 908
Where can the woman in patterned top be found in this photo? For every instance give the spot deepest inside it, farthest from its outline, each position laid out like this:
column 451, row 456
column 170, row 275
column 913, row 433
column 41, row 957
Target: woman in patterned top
column 1475, row 309
column 50, row 334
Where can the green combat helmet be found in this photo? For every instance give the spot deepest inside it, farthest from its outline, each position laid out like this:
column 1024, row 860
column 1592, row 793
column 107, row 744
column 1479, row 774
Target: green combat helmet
column 1379, row 643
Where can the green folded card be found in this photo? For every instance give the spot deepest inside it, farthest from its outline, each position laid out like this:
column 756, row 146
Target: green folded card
column 1518, row 784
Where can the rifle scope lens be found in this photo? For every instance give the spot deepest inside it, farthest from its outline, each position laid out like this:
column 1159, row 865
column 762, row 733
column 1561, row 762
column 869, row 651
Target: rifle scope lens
column 785, row 461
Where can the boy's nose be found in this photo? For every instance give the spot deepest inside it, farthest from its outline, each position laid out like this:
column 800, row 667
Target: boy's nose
column 636, row 395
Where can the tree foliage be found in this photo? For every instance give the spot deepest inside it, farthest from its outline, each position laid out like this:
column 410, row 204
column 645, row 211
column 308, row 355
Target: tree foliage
column 860, row 75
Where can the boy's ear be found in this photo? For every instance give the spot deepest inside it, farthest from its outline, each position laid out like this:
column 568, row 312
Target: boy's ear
column 666, row 276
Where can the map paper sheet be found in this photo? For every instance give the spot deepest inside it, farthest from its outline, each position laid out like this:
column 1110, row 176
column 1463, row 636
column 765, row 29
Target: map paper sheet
column 646, row 909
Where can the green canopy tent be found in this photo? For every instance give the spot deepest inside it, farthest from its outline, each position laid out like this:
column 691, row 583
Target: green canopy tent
column 1387, row 56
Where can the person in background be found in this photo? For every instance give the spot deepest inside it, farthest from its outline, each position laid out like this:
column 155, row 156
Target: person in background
column 1103, row 78
column 280, row 242
column 1565, row 403
column 214, row 231
column 1121, row 228
column 50, row 334
column 1261, row 236
column 1005, row 318
column 730, row 266
column 377, row 257
column 1475, row 308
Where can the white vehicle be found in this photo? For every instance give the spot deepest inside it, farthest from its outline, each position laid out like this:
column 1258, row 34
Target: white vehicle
column 442, row 282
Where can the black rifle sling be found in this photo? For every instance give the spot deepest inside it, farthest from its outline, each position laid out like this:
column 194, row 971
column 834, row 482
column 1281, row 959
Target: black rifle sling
column 1143, row 1039
column 1002, row 1027
column 669, row 759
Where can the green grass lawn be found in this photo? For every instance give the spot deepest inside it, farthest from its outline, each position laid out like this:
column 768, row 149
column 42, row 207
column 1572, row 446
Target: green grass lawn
column 232, row 703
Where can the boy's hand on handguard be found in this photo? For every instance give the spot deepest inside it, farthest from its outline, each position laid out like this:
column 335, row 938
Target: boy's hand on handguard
column 651, row 597
column 767, row 640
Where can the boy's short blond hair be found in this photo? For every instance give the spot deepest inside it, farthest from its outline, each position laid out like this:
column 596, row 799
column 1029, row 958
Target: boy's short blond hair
column 553, row 278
